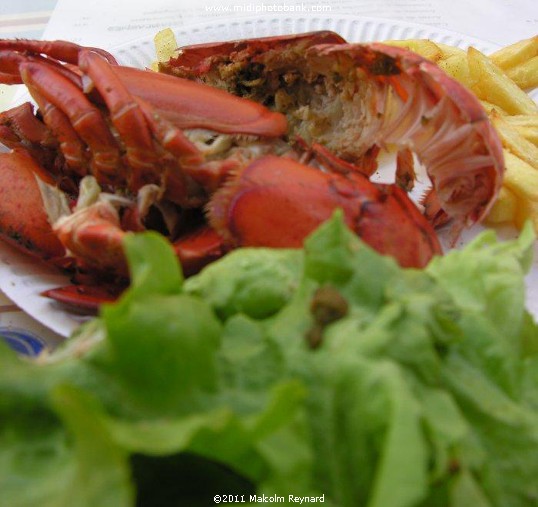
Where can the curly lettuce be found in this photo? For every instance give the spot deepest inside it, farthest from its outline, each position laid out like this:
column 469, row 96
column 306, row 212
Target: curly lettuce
column 323, row 372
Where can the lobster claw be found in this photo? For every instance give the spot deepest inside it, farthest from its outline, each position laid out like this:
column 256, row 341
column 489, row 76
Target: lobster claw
column 24, row 221
column 277, row 202
column 187, row 104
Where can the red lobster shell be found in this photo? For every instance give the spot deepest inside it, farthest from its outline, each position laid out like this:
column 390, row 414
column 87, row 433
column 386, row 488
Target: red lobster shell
column 382, row 95
column 263, row 165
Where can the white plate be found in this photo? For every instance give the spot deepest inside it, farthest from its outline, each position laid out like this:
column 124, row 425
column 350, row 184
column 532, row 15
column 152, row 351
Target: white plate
column 140, row 52
column 23, row 280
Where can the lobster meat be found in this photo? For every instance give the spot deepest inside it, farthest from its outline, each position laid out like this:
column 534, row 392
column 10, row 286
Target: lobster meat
column 248, row 143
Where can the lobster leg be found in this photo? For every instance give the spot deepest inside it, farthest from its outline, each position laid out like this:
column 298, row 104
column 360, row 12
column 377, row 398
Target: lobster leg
column 405, row 169
column 194, row 250
column 126, row 117
column 10, row 62
column 170, row 137
column 433, row 210
column 21, row 126
column 59, row 50
column 85, row 118
column 94, row 236
column 198, row 248
column 71, row 145
column 138, row 126
column 87, row 298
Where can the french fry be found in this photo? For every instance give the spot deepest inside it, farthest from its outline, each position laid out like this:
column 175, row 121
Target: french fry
column 527, row 210
column 490, row 108
column 525, row 75
column 515, row 54
column 526, row 125
column 449, row 51
column 165, row 46
column 522, row 180
column 492, row 84
column 501, row 81
column 457, row 66
column 424, row 47
column 504, row 209
column 515, row 142
column 520, row 177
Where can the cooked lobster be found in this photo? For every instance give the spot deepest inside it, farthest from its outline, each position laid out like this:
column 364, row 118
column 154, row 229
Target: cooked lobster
column 292, row 135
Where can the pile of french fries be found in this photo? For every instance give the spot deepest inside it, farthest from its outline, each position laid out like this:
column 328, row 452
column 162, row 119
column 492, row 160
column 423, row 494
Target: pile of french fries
column 501, row 81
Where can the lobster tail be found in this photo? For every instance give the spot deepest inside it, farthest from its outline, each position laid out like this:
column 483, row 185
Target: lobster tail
column 350, row 98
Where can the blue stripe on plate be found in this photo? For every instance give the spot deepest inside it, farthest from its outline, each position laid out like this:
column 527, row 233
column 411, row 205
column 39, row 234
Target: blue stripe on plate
column 23, row 341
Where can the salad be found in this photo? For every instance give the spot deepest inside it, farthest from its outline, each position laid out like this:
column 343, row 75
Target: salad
column 327, row 374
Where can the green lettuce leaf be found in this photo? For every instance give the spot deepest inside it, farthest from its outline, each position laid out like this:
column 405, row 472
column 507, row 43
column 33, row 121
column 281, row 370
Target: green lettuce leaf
column 324, row 372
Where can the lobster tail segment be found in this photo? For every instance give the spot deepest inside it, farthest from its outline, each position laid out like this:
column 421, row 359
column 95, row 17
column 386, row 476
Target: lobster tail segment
column 448, row 129
column 350, row 98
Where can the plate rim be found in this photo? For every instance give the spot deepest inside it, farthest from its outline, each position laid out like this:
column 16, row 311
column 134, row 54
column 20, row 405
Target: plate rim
column 242, row 20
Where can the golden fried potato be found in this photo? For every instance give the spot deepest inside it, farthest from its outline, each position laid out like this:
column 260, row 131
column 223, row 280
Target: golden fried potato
column 504, row 209
column 527, row 210
column 165, row 47
column 514, row 142
column 520, row 177
column 457, row 66
column 515, row 54
column 165, row 44
column 449, row 51
column 526, row 125
column 525, row 75
column 490, row 83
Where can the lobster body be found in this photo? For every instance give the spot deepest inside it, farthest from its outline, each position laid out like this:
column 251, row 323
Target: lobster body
column 291, row 137
column 349, row 98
